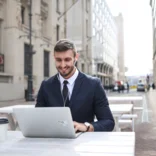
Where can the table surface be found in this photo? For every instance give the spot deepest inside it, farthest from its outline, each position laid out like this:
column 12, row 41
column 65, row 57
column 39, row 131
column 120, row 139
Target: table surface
column 121, row 108
column 136, row 98
column 87, row 144
column 9, row 109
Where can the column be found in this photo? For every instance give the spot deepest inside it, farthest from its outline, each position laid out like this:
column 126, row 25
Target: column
column 36, row 17
column 11, row 35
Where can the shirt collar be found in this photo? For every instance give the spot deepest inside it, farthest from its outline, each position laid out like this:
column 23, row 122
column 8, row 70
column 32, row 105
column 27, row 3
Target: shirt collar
column 71, row 80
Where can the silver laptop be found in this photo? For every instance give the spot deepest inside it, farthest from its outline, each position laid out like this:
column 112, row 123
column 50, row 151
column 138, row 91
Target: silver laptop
column 47, row 122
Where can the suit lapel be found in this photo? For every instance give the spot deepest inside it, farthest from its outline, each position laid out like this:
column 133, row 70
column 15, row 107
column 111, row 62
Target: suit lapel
column 77, row 86
column 57, row 90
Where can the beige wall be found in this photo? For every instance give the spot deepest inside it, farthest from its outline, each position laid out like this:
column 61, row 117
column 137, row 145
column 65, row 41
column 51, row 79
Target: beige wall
column 15, row 34
column 11, row 91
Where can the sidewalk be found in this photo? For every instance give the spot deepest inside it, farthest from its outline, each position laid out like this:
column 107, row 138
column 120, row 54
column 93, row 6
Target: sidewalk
column 146, row 131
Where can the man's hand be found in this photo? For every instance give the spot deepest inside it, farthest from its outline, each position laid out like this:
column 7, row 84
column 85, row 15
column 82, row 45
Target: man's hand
column 82, row 127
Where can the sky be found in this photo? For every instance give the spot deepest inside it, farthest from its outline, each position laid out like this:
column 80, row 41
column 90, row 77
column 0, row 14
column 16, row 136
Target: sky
column 137, row 34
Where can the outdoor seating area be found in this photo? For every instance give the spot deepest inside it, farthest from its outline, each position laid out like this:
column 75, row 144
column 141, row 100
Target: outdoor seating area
column 124, row 111
column 127, row 117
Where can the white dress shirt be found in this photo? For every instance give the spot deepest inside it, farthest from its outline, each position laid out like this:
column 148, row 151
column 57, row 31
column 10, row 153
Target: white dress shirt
column 71, row 82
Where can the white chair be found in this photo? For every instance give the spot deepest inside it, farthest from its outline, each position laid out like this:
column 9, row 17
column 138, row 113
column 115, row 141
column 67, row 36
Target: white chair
column 138, row 108
column 128, row 119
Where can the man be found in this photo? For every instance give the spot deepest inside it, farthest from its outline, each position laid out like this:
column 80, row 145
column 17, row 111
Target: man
column 127, row 87
column 71, row 88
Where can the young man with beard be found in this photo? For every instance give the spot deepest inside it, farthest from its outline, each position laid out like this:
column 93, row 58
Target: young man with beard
column 83, row 94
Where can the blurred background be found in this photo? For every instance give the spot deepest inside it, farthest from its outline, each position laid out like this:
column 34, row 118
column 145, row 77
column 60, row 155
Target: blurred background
column 115, row 40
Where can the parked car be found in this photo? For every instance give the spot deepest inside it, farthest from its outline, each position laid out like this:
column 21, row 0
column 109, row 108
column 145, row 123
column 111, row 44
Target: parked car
column 115, row 87
column 119, row 86
column 141, row 86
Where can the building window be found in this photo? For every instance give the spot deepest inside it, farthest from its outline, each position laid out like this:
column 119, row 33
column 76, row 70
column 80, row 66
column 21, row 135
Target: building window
column 93, row 2
column 1, row 62
column 87, row 28
column 57, row 32
column 93, row 17
column 0, row 36
column 100, row 13
column 98, row 37
column 97, row 22
column 103, row 4
column 1, row 55
column 96, row 7
column 57, row 6
column 93, row 31
column 46, row 63
column 23, row 14
column 26, row 59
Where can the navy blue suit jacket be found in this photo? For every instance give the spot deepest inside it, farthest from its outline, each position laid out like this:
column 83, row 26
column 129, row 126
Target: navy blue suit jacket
column 87, row 101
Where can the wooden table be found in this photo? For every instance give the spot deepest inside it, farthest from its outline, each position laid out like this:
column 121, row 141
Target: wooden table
column 87, row 144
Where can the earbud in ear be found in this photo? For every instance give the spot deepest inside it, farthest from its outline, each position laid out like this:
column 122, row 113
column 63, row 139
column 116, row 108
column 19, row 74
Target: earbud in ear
column 74, row 62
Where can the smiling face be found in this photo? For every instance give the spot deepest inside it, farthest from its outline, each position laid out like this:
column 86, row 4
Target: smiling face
column 65, row 58
column 65, row 63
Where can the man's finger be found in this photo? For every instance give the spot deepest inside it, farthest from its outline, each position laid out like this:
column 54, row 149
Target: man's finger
column 75, row 123
column 76, row 128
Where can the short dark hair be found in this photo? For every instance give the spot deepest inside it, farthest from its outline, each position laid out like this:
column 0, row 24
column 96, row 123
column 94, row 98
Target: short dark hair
column 64, row 45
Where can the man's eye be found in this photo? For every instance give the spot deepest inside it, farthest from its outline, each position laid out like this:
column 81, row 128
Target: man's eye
column 67, row 60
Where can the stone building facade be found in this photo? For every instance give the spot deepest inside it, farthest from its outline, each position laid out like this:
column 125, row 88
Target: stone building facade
column 104, row 43
column 51, row 21
column 89, row 23
column 14, row 43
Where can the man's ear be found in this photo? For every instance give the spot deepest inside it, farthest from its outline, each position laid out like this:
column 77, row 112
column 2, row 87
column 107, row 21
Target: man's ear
column 77, row 56
column 75, row 62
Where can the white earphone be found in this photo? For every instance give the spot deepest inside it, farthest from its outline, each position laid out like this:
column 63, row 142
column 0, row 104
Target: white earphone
column 75, row 62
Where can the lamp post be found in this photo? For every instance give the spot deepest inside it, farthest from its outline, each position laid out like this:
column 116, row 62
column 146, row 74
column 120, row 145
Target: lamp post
column 29, row 96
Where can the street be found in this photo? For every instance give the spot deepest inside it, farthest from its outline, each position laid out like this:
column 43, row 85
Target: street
column 145, row 127
column 146, row 130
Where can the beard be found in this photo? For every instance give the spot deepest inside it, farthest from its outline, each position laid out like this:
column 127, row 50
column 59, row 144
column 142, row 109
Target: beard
column 69, row 71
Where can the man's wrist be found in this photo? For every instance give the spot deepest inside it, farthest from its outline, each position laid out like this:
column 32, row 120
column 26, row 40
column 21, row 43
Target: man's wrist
column 89, row 127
